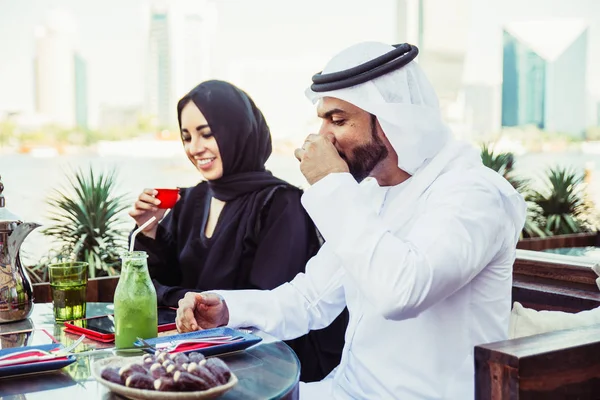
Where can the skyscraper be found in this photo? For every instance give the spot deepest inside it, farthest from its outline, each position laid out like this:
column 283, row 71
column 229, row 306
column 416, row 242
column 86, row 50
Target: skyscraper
column 439, row 29
column 409, row 21
column 160, row 88
column 81, row 92
column 180, row 36
column 60, row 74
column 544, row 75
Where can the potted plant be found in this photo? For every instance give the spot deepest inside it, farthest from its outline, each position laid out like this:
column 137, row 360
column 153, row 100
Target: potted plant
column 86, row 223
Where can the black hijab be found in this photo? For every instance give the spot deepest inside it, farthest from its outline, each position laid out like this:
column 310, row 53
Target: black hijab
column 246, row 186
column 242, row 135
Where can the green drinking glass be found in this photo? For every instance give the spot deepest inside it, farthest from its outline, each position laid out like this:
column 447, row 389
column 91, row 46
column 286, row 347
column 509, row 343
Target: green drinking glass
column 68, row 281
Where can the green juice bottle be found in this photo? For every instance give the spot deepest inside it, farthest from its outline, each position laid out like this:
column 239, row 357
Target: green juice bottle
column 135, row 301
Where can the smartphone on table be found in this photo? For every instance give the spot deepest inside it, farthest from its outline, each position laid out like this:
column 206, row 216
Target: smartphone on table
column 102, row 328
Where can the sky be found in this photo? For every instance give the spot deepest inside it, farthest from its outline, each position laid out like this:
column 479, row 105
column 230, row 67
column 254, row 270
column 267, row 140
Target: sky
column 271, row 47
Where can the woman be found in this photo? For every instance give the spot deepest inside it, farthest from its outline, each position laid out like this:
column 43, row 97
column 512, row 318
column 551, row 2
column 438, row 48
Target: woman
column 242, row 228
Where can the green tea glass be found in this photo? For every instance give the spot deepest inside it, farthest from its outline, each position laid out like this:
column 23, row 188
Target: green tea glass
column 68, row 281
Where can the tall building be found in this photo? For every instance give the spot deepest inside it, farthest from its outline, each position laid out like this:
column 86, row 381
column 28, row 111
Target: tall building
column 180, row 37
column 544, row 75
column 160, row 89
column 194, row 29
column 81, row 92
column 60, row 74
column 409, row 21
column 440, row 29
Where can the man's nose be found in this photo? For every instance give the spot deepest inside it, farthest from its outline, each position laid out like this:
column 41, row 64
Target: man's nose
column 324, row 129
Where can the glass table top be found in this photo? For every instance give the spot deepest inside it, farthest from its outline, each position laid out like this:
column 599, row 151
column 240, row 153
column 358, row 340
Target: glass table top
column 268, row 370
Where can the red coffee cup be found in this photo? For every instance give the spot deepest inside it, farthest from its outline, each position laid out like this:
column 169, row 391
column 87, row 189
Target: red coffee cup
column 167, row 197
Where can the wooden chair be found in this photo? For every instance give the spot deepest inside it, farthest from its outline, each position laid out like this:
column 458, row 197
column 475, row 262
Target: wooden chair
column 554, row 365
column 546, row 281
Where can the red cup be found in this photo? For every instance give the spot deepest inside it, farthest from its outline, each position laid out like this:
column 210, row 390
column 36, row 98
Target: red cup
column 167, row 197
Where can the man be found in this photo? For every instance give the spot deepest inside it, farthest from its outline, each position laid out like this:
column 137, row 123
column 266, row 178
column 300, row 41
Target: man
column 421, row 253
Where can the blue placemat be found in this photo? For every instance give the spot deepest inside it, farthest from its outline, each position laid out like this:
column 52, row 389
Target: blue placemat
column 36, row 367
column 247, row 341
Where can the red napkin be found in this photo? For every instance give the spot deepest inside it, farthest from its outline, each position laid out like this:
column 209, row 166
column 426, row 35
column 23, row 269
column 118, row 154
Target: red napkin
column 32, row 353
column 191, row 347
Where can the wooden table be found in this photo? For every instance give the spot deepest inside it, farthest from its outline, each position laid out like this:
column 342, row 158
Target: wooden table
column 268, row 370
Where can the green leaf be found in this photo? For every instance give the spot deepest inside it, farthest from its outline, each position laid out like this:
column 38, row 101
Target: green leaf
column 85, row 220
column 563, row 202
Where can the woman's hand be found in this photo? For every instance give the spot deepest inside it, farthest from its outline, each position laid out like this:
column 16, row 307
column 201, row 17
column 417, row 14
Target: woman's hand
column 145, row 208
column 201, row 311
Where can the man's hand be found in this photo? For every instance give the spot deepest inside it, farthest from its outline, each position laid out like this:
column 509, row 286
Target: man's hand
column 201, row 311
column 318, row 158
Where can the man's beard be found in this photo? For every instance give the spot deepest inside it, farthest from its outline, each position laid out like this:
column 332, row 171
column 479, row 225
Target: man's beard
column 367, row 156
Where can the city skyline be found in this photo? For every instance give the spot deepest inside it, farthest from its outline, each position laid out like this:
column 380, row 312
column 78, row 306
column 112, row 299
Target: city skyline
column 271, row 50
column 117, row 53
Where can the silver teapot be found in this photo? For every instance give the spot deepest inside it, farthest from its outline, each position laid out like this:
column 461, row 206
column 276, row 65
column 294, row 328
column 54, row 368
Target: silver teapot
column 16, row 292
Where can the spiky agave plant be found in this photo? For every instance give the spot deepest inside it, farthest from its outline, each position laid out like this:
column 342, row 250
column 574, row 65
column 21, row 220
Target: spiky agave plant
column 86, row 222
column 562, row 202
column 503, row 163
column 534, row 221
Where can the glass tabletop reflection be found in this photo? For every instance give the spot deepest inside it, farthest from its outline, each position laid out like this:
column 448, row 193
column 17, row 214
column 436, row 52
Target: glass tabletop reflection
column 269, row 370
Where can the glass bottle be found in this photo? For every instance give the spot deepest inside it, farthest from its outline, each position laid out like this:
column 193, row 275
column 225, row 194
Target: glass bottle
column 135, row 301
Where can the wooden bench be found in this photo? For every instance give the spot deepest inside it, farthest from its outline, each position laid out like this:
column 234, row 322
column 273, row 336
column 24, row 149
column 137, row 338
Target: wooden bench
column 554, row 365
column 98, row 290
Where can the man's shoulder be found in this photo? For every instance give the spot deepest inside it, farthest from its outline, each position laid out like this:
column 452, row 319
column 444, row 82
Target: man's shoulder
column 465, row 182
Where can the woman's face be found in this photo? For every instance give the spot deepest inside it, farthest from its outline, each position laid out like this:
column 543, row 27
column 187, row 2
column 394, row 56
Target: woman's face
column 199, row 143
